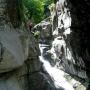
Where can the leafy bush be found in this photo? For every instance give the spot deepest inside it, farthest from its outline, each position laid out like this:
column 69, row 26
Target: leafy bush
column 34, row 9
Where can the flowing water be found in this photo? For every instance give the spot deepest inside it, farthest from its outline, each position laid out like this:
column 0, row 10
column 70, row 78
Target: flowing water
column 61, row 52
column 56, row 74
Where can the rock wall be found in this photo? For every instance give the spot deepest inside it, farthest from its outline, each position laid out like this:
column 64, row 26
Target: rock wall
column 19, row 64
column 80, row 15
column 72, row 36
column 20, row 68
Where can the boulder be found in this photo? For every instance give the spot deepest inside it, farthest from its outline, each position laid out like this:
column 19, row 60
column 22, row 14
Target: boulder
column 45, row 29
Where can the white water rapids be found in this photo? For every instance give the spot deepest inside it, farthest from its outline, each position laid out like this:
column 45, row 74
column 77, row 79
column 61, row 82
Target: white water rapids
column 59, row 50
column 56, row 74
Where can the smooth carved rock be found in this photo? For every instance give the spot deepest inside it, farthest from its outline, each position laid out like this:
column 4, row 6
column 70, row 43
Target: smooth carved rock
column 14, row 51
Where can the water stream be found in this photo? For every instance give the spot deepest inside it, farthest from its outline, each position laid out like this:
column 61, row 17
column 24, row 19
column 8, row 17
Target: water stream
column 56, row 74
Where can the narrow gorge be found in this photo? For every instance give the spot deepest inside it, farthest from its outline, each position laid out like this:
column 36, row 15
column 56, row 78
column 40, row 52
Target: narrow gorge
column 54, row 55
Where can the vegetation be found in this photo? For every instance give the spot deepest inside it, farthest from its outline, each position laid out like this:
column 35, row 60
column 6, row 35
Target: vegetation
column 35, row 9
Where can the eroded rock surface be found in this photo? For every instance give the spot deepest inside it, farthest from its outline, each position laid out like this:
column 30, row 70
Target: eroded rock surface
column 73, row 35
column 70, row 50
column 20, row 68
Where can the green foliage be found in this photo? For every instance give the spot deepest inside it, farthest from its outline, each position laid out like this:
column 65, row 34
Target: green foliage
column 34, row 9
column 37, row 34
column 48, row 2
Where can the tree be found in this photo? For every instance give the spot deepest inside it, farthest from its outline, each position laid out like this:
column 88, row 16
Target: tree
column 34, row 10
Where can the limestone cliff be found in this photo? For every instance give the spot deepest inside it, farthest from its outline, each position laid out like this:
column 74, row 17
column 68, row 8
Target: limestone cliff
column 18, row 49
column 71, row 33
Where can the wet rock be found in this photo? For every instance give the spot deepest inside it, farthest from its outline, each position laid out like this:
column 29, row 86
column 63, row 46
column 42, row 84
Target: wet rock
column 20, row 68
column 79, row 40
column 45, row 29
column 73, row 59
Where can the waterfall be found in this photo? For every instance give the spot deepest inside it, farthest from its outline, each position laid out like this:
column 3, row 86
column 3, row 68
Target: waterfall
column 56, row 74
column 60, row 54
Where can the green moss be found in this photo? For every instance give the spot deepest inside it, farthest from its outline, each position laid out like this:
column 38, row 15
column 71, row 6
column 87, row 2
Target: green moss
column 37, row 34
